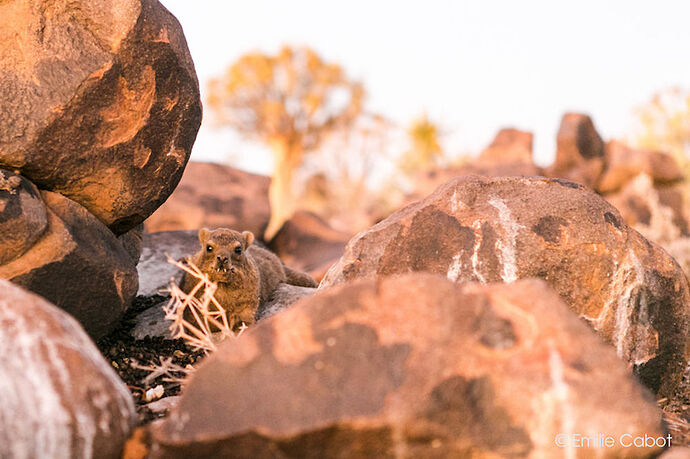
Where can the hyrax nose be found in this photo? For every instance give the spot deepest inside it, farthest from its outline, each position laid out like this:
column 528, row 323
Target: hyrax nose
column 222, row 259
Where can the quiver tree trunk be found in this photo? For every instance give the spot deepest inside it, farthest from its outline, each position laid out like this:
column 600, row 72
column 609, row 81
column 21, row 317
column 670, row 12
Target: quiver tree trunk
column 280, row 193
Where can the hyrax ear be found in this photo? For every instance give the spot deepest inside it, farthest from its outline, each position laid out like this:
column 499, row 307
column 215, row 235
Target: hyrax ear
column 248, row 238
column 204, row 233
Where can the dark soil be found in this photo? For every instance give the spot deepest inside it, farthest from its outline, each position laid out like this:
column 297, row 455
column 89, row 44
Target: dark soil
column 125, row 353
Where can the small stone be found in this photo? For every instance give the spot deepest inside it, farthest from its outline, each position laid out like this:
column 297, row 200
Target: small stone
column 154, row 393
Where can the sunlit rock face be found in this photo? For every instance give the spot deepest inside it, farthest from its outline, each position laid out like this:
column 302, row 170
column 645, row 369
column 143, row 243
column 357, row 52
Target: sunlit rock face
column 100, row 102
column 307, row 242
column 579, row 151
column 503, row 229
column 624, row 163
column 23, row 217
column 58, row 395
column 411, row 366
column 78, row 264
column 215, row 196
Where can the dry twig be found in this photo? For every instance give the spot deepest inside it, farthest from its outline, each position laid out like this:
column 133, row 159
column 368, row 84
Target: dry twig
column 202, row 306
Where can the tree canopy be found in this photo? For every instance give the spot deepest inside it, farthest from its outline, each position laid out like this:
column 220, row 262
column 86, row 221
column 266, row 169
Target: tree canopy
column 292, row 101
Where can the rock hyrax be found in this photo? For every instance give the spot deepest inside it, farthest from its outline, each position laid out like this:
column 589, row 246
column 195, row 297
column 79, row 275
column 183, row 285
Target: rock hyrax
column 245, row 274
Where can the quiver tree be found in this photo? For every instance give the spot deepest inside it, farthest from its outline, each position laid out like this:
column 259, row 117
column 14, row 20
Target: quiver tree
column 291, row 101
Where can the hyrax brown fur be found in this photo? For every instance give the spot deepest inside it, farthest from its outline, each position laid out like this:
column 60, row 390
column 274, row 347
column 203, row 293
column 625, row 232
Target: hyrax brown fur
column 246, row 275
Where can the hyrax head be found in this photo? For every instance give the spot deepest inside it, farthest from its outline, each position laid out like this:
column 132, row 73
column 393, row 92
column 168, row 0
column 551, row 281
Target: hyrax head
column 223, row 252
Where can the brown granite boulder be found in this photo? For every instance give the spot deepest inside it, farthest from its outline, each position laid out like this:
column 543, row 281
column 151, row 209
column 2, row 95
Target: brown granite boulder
column 58, row 395
column 133, row 242
column 624, row 163
column 100, row 102
column 415, row 366
column 509, row 154
column 22, row 216
column 504, row 229
column 282, row 298
column 154, row 270
column 580, row 151
column 79, row 265
column 641, row 202
column 509, row 146
column 215, row 196
column 306, row 242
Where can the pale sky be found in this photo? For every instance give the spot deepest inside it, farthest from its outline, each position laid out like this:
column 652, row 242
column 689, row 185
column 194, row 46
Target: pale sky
column 473, row 67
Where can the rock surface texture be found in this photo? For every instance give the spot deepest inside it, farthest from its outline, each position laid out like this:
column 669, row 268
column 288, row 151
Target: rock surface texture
column 283, row 297
column 509, row 146
column 484, row 371
column 215, row 196
column 503, row 229
column 154, row 270
column 642, row 203
column 78, row 264
column 623, row 163
column 23, row 218
column 309, row 244
column 59, row 398
column 509, row 154
column 579, row 152
column 100, row 102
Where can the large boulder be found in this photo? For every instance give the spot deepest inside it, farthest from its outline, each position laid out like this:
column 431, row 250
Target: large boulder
column 306, row 242
column 641, row 202
column 282, row 298
column 155, row 272
column 624, row 163
column 579, row 151
column 23, row 217
column 510, row 146
column 504, row 229
column 215, row 196
column 58, row 396
column 415, row 366
column 100, row 102
column 509, row 154
column 79, row 265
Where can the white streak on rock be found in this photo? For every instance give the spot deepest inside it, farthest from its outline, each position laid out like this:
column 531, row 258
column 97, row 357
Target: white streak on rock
column 477, row 228
column 506, row 245
column 36, row 423
column 561, row 396
column 44, row 412
column 456, row 203
column 634, row 342
column 617, row 286
column 554, row 411
column 454, row 268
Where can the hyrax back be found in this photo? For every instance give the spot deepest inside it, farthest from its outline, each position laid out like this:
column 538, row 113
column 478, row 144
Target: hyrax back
column 245, row 274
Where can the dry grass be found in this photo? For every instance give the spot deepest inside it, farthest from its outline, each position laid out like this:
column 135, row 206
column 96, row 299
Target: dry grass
column 173, row 373
column 676, row 412
column 208, row 315
column 678, row 427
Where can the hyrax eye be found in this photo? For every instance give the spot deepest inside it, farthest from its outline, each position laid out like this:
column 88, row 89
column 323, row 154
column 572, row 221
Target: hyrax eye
column 209, row 248
column 238, row 250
